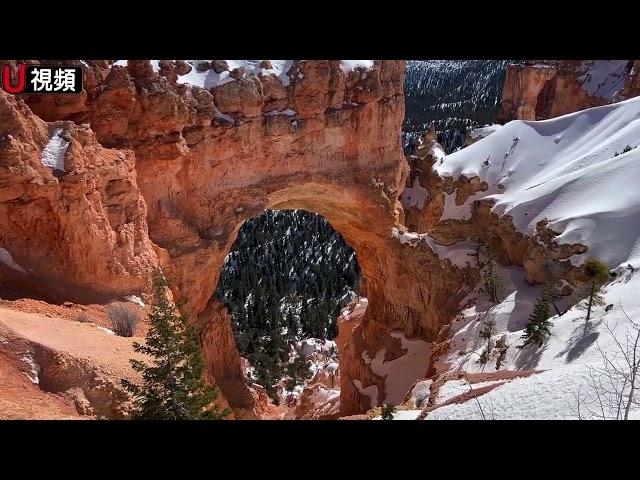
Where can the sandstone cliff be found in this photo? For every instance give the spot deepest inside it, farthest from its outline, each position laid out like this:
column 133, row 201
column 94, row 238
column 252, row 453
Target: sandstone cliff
column 317, row 135
column 540, row 89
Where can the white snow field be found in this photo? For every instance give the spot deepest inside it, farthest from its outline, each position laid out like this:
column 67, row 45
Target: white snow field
column 565, row 170
column 403, row 415
column 603, row 78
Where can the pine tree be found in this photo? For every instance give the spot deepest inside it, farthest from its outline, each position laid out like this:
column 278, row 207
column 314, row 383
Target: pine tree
column 298, row 371
column 388, row 411
column 173, row 387
column 486, row 333
column 551, row 273
column 538, row 327
column 597, row 273
column 491, row 280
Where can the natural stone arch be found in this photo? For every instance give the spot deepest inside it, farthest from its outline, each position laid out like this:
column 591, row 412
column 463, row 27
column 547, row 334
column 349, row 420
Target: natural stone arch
column 340, row 158
column 202, row 174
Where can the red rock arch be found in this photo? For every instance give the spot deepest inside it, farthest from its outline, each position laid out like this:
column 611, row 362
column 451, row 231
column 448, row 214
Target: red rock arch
column 201, row 176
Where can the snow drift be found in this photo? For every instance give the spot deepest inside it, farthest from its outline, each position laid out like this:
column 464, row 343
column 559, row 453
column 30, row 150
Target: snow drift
column 572, row 170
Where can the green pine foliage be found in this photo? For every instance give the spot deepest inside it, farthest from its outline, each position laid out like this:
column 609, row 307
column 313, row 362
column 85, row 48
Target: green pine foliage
column 297, row 372
column 539, row 325
column 453, row 96
column 597, row 273
column 173, row 386
column 388, row 411
column 491, row 281
column 286, row 279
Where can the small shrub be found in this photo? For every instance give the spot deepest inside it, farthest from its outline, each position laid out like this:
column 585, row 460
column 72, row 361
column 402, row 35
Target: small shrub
column 84, row 317
column 388, row 411
column 124, row 319
column 483, row 358
column 502, row 347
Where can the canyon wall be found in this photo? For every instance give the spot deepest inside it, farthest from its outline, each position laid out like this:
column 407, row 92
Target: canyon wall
column 540, row 89
column 77, row 232
column 159, row 172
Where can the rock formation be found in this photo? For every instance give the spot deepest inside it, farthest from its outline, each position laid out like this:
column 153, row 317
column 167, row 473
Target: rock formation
column 189, row 165
column 77, row 231
column 540, row 89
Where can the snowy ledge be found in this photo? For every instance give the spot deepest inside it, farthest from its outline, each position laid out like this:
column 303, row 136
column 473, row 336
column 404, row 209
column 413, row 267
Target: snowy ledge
column 7, row 259
column 279, row 68
column 55, row 151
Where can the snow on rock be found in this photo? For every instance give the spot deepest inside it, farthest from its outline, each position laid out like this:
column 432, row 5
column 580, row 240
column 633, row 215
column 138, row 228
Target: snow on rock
column 350, row 65
column 134, row 299
column 461, row 254
column 322, row 395
column 287, row 113
column 403, row 415
column 451, row 210
column 7, row 259
column 371, row 391
column 420, row 393
column 155, row 64
column 565, row 170
column 414, row 196
column 485, row 131
column 310, row 346
column 55, row 151
column 33, row 369
column 217, row 114
column 603, row 78
column 106, row 330
column 403, row 371
column 436, row 152
column 210, row 79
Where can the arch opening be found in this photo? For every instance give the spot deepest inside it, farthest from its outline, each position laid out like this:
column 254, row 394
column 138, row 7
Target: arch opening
column 284, row 282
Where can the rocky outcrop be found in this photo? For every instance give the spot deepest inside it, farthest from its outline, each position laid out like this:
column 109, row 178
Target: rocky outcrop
column 205, row 160
column 80, row 363
column 483, row 226
column 541, row 89
column 76, row 228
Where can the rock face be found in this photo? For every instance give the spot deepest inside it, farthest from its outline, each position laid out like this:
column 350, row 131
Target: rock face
column 482, row 226
column 184, row 167
column 541, row 89
column 77, row 231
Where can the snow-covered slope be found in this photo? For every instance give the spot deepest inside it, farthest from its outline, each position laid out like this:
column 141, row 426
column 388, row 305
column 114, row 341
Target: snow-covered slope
column 572, row 171
column 569, row 170
column 571, row 362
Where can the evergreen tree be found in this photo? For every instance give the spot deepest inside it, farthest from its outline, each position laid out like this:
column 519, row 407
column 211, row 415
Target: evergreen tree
column 551, row 273
column 486, row 261
column 280, row 260
column 486, row 333
column 597, row 273
column 173, row 387
column 298, row 371
column 388, row 411
column 538, row 327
